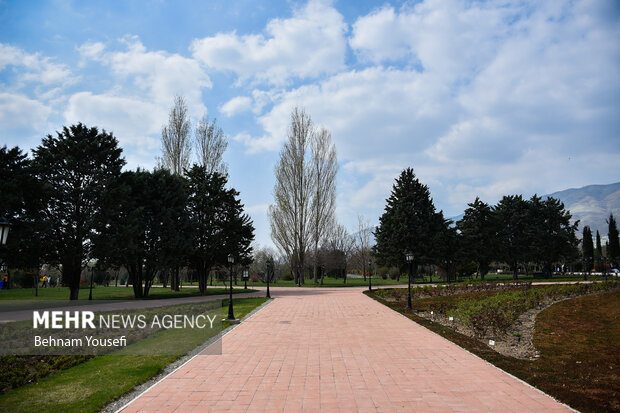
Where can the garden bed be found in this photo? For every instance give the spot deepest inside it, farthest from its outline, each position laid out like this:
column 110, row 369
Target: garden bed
column 576, row 338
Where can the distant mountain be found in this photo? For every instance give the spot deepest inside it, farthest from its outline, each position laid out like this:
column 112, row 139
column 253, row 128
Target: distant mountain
column 591, row 205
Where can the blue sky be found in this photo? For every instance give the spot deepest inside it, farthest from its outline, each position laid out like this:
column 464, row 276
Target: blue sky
column 480, row 98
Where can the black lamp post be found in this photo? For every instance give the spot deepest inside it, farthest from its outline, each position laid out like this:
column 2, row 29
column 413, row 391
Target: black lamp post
column 409, row 257
column 369, row 274
column 231, row 315
column 246, row 275
column 269, row 273
column 4, row 234
column 91, row 264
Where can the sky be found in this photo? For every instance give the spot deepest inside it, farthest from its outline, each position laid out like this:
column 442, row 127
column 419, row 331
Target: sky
column 481, row 98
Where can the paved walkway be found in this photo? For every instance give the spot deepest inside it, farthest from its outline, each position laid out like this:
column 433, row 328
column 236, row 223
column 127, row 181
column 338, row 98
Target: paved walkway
column 337, row 350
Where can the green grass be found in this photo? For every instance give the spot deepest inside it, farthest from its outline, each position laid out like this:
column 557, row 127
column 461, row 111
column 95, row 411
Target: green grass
column 89, row 386
column 577, row 340
column 330, row 282
column 111, row 293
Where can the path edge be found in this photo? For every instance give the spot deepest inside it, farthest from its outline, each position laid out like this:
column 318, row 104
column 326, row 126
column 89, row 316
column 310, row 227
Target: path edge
column 132, row 395
column 478, row 357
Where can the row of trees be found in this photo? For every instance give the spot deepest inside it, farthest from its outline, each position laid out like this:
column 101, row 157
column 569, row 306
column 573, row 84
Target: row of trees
column 516, row 231
column 598, row 256
column 71, row 202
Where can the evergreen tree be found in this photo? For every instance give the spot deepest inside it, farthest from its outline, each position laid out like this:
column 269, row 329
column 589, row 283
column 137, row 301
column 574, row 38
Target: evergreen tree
column 552, row 235
column 513, row 237
column 148, row 231
column 598, row 252
column 478, row 235
column 219, row 226
column 409, row 223
column 587, row 249
column 77, row 166
column 613, row 251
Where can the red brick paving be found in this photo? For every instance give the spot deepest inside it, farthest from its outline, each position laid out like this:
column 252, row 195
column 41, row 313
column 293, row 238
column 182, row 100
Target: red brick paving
column 336, row 350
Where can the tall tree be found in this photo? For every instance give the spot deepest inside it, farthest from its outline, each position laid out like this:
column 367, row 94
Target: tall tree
column 409, row 223
column 363, row 238
column 598, row 252
column 478, row 233
column 77, row 166
column 513, row 235
column 552, row 235
column 587, row 249
column 340, row 245
column 148, row 232
column 211, row 144
column 219, row 225
column 613, row 250
column 175, row 139
column 290, row 216
column 21, row 205
column 324, row 170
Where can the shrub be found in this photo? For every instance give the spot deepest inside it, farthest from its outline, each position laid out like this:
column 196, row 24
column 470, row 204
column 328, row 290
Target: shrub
column 288, row 277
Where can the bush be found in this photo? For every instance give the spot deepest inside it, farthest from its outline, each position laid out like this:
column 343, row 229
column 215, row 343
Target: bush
column 254, row 278
column 288, row 277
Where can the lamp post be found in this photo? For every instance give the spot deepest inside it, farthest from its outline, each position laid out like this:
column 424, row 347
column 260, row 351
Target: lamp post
column 269, row 273
column 4, row 234
column 246, row 275
column 369, row 274
column 409, row 257
column 91, row 264
column 231, row 315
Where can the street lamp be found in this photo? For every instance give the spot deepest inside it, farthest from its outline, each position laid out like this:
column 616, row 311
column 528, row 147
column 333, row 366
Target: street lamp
column 231, row 315
column 369, row 274
column 268, row 273
column 409, row 257
column 91, row 264
column 246, row 275
column 4, row 234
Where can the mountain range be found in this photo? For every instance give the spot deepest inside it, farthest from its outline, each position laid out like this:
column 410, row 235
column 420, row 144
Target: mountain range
column 591, row 205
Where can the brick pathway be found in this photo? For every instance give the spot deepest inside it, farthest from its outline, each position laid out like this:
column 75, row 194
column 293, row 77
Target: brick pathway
column 337, row 350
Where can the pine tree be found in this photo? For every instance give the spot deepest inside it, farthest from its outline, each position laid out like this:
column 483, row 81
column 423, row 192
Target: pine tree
column 613, row 251
column 587, row 249
column 409, row 223
column 478, row 232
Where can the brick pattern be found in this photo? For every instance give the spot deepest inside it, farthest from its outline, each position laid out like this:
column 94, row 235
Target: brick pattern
column 336, row 350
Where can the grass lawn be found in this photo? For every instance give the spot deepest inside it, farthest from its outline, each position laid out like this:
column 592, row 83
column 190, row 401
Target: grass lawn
column 577, row 339
column 111, row 293
column 331, row 282
column 91, row 385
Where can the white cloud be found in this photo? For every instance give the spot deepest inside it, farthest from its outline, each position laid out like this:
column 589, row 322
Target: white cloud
column 156, row 74
column 307, row 45
column 236, row 105
column 34, row 68
column 134, row 122
column 19, row 111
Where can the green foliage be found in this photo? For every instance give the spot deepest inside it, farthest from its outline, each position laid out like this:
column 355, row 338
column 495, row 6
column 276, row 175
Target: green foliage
column 219, row 226
column 587, row 249
column 146, row 230
column 76, row 167
column 409, row 223
column 613, row 251
column 477, row 228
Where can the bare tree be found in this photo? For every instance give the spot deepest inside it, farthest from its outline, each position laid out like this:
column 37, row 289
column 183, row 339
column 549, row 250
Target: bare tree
column 176, row 145
column 290, row 216
column 210, row 144
column 324, row 169
column 177, row 150
column 340, row 241
column 362, row 240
